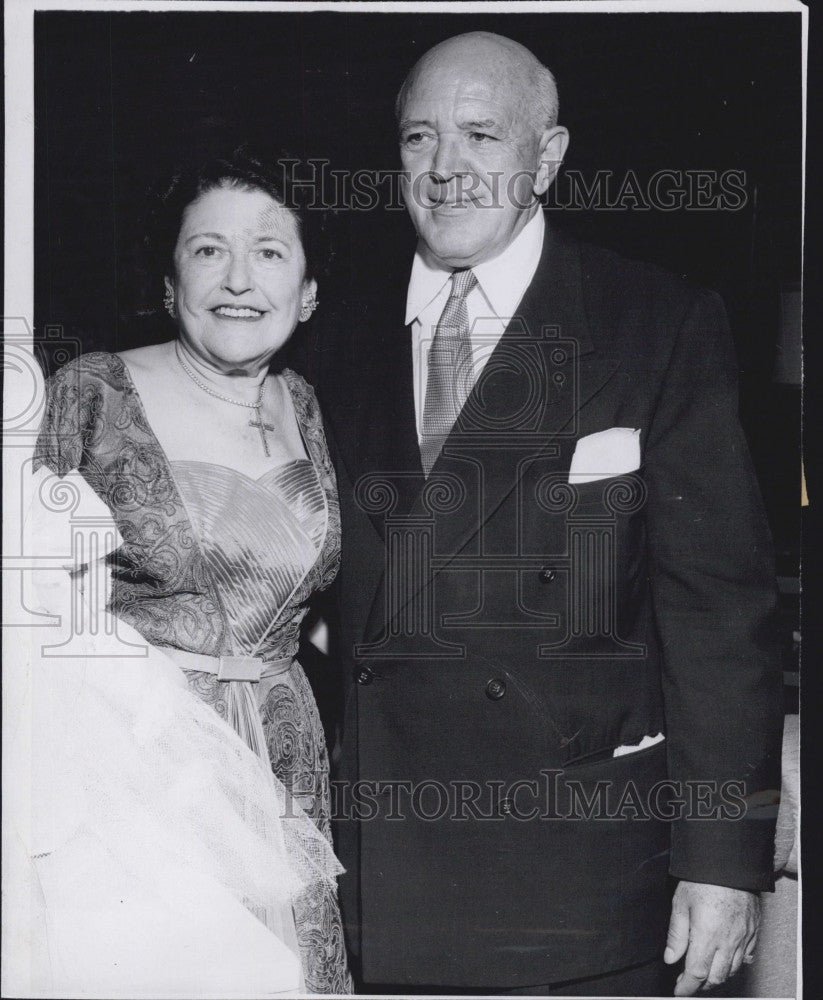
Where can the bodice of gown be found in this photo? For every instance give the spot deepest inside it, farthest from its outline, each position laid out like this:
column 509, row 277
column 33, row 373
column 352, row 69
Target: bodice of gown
column 258, row 538
column 212, row 561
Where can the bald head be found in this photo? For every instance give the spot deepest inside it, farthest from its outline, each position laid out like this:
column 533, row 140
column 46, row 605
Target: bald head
column 479, row 145
column 503, row 62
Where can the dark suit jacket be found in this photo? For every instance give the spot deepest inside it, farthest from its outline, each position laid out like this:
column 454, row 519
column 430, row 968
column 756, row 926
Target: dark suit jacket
column 499, row 627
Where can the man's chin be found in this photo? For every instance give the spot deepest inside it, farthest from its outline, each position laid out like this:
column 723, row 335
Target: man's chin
column 456, row 252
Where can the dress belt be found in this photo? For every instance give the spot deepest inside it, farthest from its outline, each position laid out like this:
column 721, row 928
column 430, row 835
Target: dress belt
column 230, row 668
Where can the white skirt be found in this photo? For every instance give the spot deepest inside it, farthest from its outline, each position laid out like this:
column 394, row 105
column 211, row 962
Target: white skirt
column 161, row 855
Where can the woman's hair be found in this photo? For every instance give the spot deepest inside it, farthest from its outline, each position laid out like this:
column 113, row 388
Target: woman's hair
column 277, row 175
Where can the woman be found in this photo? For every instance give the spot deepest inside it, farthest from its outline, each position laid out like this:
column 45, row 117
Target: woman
column 219, row 483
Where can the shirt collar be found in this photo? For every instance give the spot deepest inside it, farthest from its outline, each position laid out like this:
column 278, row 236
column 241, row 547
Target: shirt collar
column 496, row 277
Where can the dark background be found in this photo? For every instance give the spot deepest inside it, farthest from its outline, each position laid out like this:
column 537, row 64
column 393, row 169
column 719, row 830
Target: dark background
column 121, row 97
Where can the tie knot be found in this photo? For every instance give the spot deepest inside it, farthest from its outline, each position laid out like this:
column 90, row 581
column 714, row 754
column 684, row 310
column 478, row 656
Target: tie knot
column 462, row 283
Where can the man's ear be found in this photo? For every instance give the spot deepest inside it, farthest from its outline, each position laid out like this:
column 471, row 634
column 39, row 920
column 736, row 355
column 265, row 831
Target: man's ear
column 553, row 145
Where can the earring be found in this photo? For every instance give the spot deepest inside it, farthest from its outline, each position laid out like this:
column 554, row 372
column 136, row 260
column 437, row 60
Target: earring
column 309, row 305
column 168, row 302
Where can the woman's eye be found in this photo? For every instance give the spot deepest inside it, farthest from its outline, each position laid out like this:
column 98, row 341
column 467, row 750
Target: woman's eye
column 413, row 139
column 269, row 253
column 208, row 251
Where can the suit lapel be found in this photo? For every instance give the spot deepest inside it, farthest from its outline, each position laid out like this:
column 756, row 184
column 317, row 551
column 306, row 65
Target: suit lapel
column 526, row 400
column 387, row 455
column 524, row 406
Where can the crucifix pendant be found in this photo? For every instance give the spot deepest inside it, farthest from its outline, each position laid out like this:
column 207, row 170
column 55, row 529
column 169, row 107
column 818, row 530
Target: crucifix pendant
column 262, row 426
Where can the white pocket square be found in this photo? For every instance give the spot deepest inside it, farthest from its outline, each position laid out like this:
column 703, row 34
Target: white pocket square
column 647, row 741
column 607, row 453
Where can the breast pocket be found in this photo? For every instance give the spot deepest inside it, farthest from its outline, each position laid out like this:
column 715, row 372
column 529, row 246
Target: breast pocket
column 586, row 549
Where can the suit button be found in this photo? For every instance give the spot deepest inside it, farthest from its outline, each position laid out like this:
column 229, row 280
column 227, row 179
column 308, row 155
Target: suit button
column 363, row 675
column 495, row 689
column 547, row 574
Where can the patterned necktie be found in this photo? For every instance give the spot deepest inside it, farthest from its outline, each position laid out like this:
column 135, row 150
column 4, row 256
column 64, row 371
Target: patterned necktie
column 451, row 374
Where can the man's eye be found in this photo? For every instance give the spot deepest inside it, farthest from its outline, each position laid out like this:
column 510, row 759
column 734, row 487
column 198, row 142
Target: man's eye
column 413, row 139
column 480, row 137
column 207, row 251
column 269, row 253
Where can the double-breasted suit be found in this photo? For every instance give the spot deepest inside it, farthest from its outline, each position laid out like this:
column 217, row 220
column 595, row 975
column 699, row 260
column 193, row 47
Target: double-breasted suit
column 503, row 631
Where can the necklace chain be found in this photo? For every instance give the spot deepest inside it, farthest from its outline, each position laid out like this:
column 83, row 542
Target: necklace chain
column 213, row 392
column 259, row 423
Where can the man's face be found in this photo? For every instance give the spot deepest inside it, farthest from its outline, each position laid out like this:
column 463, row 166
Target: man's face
column 472, row 153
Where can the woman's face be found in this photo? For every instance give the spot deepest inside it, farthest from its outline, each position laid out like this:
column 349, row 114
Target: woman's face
column 239, row 278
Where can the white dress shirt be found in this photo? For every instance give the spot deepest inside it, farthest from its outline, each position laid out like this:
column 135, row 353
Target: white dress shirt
column 501, row 283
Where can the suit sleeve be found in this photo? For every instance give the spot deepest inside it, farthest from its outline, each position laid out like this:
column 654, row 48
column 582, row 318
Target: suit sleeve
column 714, row 596
column 300, row 353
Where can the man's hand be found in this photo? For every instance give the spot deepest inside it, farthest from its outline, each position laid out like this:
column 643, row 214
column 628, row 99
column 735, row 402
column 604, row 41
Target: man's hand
column 715, row 927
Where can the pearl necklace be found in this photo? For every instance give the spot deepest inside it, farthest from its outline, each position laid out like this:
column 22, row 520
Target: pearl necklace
column 259, row 424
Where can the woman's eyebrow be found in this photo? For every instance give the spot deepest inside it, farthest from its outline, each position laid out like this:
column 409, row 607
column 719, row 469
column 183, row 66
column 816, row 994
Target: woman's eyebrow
column 211, row 236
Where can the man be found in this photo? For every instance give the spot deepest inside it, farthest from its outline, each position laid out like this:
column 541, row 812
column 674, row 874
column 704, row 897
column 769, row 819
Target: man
column 556, row 591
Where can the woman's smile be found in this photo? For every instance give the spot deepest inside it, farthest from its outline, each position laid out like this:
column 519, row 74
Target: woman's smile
column 245, row 313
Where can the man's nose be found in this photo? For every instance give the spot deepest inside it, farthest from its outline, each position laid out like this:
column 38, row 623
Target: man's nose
column 448, row 158
column 237, row 278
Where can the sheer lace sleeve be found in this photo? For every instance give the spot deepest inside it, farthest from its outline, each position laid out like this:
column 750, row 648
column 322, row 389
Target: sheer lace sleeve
column 74, row 415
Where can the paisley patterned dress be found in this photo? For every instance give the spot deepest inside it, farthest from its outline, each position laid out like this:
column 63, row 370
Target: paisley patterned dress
column 216, row 563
